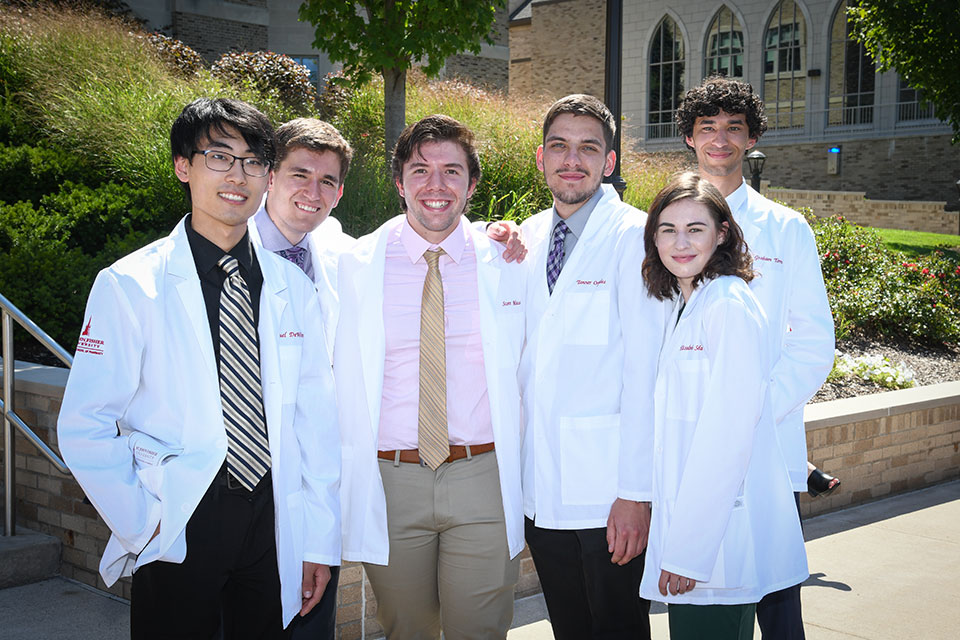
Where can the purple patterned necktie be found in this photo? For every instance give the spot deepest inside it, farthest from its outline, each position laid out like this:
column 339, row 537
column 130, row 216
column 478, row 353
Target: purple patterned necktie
column 555, row 257
column 296, row 255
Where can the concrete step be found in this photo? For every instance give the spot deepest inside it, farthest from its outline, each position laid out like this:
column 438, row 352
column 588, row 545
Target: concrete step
column 28, row 557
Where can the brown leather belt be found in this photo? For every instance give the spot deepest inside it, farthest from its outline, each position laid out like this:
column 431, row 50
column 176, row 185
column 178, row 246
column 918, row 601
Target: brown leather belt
column 457, row 452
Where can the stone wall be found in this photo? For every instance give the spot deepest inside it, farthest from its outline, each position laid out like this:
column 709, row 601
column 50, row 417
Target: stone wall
column 211, row 37
column 920, row 168
column 561, row 50
column 489, row 73
column 885, row 214
column 52, row 503
column 884, row 444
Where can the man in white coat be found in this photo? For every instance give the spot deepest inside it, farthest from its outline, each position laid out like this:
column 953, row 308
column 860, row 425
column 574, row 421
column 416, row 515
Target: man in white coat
column 199, row 416
column 587, row 376
column 306, row 184
column 720, row 121
column 426, row 356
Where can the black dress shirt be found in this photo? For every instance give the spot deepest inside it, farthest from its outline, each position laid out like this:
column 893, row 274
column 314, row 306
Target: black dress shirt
column 205, row 256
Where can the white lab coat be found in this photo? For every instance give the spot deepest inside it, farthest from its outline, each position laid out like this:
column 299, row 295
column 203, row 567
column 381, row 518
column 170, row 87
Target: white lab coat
column 723, row 513
column 588, row 370
column 326, row 242
column 358, row 367
column 151, row 373
column 790, row 290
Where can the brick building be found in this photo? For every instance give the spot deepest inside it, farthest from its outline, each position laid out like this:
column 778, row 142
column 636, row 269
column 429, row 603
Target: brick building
column 821, row 89
column 213, row 27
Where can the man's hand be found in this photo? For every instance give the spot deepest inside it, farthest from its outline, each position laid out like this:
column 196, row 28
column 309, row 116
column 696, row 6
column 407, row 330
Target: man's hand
column 507, row 233
column 676, row 583
column 315, row 579
column 627, row 529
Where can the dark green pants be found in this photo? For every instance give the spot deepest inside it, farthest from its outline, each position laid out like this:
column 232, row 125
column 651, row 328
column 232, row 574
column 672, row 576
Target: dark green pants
column 711, row 621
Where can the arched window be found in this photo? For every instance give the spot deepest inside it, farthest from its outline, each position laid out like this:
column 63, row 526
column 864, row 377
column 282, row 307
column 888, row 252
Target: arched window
column 666, row 79
column 852, row 75
column 723, row 50
column 785, row 67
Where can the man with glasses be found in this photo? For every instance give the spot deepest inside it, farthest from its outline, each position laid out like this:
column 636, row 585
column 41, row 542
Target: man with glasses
column 199, row 416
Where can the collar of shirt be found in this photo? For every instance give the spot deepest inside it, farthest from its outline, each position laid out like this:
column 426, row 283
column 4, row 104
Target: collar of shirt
column 737, row 199
column 414, row 244
column 270, row 235
column 577, row 221
column 206, row 254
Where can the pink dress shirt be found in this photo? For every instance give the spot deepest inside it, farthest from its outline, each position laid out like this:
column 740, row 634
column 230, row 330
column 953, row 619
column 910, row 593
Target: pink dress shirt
column 468, row 407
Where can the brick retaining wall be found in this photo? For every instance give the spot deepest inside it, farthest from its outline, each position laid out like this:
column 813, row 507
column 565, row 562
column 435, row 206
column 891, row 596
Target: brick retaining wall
column 879, row 445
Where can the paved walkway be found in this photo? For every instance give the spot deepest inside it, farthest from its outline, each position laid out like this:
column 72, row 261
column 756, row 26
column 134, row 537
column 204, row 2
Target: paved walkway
column 889, row 570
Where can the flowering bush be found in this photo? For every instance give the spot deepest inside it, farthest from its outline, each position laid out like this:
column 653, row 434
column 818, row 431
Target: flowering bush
column 875, row 368
column 875, row 291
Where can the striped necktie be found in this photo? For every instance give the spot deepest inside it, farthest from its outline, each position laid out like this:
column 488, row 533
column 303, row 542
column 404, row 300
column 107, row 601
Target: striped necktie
column 555, row 257
column 248, row 451
column 434, row 441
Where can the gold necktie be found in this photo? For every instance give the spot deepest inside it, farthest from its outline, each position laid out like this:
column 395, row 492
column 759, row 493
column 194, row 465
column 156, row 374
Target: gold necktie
column 432, row 424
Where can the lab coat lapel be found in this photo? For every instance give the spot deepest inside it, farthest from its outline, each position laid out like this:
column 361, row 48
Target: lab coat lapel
column 597, row 223
column 369, row 279
column 182, row 275
column 272, row 305
column 488, row 287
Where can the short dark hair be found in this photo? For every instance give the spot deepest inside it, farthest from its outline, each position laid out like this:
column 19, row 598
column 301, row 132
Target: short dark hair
column 205, row 115
column 731, row 258
column 581, row 104
column 716, row 94
column 435, row 128
column 313, row 135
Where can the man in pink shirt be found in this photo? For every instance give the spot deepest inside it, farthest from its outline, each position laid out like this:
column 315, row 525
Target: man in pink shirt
column 426, row 357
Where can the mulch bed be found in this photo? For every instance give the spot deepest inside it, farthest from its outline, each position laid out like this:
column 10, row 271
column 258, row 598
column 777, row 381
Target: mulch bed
column 930, row 365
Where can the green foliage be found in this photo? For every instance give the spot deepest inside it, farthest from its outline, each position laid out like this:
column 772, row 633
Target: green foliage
column 270, row 74
column 28, row 173
column 176, row 56
column 50, row 253
column 921, row 40
column 394, row 35
column 878, row 292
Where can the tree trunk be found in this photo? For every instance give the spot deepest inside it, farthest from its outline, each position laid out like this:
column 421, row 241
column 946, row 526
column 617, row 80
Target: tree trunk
column 394, row 108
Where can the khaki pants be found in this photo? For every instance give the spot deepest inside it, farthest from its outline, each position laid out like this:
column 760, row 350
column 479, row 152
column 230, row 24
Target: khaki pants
column 449, row 562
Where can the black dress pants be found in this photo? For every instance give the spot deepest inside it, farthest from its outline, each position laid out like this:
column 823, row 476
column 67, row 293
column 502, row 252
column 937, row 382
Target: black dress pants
column 321, row 622
column 778, row 614
column 588, row 597
column 227, row 586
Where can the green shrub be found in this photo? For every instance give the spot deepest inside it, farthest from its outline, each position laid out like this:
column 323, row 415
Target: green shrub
column 876, row 292
column 175, row 55
column 270, row 74
column 29, row 173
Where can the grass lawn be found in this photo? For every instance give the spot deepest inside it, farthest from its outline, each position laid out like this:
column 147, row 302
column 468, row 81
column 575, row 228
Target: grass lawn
column 921, row 243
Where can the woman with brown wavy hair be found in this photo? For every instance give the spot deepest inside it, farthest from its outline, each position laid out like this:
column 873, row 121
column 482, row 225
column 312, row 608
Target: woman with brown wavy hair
column 721, row 533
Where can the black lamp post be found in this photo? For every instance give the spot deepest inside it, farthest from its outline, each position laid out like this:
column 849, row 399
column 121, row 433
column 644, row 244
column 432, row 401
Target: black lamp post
column 755, row 161
column 612, row 82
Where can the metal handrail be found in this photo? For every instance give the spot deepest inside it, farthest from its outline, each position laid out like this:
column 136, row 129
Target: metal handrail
column 10, row 418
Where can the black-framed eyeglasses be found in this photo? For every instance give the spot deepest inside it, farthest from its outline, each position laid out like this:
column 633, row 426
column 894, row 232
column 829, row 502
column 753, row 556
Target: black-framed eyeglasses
column 222, row 161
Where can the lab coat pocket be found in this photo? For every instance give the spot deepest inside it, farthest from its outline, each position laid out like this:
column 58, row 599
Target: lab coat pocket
column 589, row 456
column 735, row 552
column 586, row 318
column 691, row 376
column 149, row 458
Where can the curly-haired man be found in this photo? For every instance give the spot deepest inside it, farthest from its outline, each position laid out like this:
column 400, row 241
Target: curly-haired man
column 720, row 120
